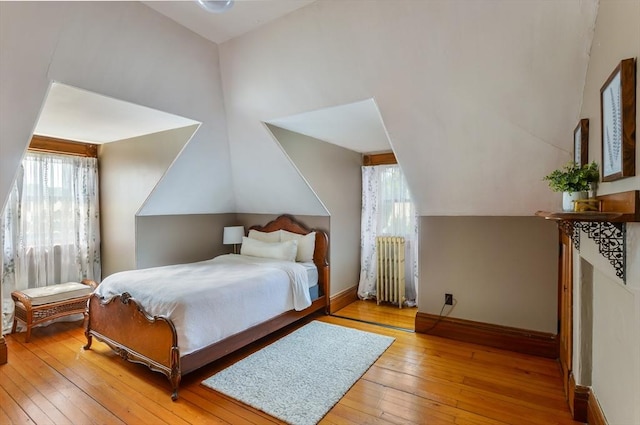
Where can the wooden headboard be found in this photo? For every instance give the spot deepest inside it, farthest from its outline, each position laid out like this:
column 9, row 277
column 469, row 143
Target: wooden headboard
column 321, row 252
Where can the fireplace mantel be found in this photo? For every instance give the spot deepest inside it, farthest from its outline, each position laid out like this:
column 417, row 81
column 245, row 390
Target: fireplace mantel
column 607, row 227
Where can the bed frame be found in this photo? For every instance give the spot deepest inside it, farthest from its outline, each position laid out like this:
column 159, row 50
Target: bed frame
column 125, row 326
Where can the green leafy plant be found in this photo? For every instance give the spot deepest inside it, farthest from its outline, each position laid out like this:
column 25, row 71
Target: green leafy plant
column 573, row 178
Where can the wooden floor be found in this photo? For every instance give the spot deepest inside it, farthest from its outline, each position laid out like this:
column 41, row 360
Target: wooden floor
column 385, row 314
column 420, row 379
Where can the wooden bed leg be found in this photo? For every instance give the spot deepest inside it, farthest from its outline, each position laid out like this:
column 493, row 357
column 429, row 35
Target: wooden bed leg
column 89, row 340
column 87, row 326
column 175, row 383
column 3, row 350
column 174, row 378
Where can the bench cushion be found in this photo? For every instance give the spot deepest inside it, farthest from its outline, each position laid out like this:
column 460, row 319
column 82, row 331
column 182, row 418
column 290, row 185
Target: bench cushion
column 55, row 293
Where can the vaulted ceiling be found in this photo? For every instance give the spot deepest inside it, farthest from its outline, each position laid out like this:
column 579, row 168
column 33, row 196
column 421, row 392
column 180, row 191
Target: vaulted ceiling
column 244, row 16
column 478, row 99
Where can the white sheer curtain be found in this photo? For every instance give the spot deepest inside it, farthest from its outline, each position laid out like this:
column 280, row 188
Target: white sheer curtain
column 9, row 222
column 50, row 225
column 387, row 210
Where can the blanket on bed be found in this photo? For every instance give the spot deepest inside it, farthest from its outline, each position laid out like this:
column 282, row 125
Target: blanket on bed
column 213, row 299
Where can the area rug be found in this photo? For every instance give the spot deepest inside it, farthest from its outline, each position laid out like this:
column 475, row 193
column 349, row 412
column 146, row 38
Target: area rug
column 300, row 377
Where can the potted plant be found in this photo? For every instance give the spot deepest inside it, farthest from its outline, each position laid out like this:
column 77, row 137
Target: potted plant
column 573, row 181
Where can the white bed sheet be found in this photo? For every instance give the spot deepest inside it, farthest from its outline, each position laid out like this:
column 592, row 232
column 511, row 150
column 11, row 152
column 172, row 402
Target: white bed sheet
column 312, row 273
column 213, row 299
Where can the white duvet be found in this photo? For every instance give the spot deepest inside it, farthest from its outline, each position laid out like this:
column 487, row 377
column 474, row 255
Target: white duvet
column 211, row 300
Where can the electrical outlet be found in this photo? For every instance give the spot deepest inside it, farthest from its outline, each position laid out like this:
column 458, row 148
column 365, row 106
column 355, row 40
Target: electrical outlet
column 448, row 299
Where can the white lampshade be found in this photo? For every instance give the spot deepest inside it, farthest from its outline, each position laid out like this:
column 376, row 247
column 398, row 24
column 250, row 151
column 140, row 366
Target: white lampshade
column 232, row 235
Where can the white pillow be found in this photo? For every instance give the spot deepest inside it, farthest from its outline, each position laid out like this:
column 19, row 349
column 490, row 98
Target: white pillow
column 306, row 244
column 277, row 250
column 265, row 236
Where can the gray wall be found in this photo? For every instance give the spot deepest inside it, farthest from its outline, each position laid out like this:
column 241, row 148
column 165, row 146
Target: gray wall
column 334, row 173
column 500, row 270
column 175, row 239
column 129, row 171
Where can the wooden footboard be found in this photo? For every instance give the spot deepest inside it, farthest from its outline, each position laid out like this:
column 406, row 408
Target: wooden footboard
column 127, row 329
column 125, row 326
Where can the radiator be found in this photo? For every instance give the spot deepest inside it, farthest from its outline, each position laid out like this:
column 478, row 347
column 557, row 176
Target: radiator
column 390, row 274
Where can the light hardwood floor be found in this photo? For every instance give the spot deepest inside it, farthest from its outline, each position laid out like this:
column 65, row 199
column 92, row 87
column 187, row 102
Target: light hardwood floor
column 420, row 379
column 386, row 314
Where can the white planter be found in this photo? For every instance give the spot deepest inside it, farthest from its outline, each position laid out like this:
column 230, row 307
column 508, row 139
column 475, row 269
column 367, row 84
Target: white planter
column 569, row 197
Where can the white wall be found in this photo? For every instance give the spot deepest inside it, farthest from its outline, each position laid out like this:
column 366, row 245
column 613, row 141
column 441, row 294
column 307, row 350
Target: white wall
column 127, row 51
column 615, row 307
column 614, row 333
column 479, row 98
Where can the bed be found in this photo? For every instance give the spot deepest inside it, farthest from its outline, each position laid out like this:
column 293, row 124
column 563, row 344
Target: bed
column 126, row 324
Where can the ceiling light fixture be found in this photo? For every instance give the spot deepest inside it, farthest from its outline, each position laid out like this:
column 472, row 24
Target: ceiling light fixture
column 215, row 6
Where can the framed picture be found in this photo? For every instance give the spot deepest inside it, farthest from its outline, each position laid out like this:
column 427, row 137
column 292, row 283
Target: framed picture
column 618, row 114
column 581, row 143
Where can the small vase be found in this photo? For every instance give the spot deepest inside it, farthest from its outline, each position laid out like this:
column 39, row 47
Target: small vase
column 593, row 187
column 569, row 197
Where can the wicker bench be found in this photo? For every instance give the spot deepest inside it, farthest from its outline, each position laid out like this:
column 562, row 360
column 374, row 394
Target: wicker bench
column 39, row 305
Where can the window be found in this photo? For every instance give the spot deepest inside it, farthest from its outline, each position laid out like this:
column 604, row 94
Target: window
column 387, row 210
column 397, row 214
column 56, row 191
column 50, row 228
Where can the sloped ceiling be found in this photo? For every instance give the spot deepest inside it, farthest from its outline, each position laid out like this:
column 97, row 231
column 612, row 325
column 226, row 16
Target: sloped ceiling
column 356, row 126
column 71, row 113
column 479, row 99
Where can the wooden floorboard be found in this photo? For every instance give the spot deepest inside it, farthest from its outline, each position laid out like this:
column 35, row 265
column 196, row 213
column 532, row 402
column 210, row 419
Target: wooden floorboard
column 385, row 313
column 420, row 379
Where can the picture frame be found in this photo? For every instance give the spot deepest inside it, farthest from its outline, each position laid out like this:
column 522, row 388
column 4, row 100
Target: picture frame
column 581, row 142
column 618, row 122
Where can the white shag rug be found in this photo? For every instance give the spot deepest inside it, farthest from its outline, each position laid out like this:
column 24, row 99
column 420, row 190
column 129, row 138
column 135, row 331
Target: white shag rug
column 300, row 377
